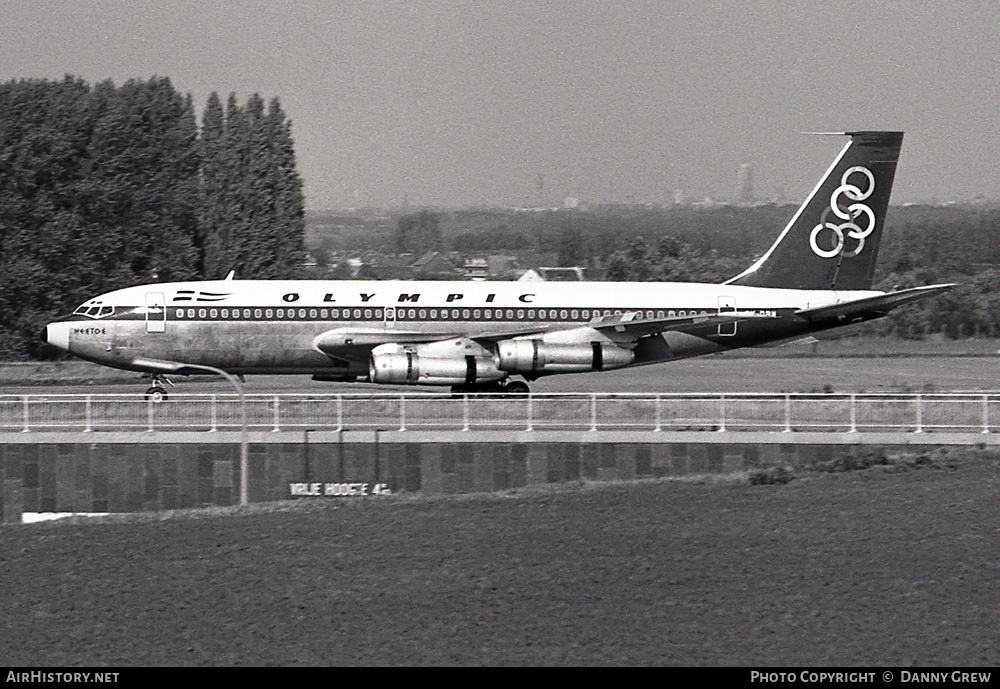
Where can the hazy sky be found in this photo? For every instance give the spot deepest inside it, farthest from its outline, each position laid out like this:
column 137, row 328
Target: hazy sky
column 470, row 103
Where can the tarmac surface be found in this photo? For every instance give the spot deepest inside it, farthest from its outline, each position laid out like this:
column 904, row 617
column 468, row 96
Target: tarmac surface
column 720, row 373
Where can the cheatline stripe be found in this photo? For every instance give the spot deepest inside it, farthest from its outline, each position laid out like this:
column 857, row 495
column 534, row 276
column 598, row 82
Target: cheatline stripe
column 261, row 313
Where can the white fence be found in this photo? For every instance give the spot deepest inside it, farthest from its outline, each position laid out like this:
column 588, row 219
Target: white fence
column 535, row 412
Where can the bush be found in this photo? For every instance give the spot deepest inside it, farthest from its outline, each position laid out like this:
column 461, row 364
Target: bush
column 771, row 476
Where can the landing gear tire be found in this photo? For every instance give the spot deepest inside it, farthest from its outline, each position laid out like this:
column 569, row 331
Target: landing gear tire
column 156, row 394
column 516, row 387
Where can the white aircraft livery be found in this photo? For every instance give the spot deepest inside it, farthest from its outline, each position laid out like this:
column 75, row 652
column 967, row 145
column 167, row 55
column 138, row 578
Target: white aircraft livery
column 494, row 336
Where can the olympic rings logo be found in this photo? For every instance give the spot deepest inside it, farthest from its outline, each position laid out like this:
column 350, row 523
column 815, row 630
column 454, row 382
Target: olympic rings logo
column 850, row 215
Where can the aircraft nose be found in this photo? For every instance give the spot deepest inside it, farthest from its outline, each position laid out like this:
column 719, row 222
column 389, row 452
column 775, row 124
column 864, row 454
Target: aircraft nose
column 57, row 335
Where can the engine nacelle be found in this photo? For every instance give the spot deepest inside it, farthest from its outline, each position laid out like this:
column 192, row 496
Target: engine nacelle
column 410, row 368
column 533, row 356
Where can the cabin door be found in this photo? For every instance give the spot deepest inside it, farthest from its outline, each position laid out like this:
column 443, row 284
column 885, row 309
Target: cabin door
column 727, row 306
column 156, row 313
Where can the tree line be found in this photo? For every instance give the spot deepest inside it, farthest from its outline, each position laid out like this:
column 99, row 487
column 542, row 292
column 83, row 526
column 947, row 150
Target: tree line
column 922, row 245
column 105, row 186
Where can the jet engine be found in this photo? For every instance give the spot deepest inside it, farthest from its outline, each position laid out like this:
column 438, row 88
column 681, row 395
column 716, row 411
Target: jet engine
column 408, row 366
column 534, row 356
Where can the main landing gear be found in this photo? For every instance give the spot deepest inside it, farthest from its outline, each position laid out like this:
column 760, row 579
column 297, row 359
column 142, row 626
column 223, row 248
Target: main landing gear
column 513, row 387
column 157, row 393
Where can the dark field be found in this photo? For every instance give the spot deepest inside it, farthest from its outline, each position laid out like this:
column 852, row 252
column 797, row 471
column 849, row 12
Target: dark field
column 883, row 566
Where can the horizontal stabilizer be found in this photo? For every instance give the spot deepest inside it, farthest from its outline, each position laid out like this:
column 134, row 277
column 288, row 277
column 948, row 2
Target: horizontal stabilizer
column 881, row 304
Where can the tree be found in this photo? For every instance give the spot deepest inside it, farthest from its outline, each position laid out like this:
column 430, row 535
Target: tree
column 103, row 187
column 252, row 208
column 418, row 233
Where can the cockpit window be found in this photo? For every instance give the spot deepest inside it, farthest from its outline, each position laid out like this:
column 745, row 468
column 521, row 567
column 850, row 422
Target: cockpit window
column 94, row 309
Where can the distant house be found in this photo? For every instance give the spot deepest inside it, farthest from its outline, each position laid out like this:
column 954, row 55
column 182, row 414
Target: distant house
column 435, row 265
column 561, row 274
column 475, row 269
column 386, row 266
column 503, row 267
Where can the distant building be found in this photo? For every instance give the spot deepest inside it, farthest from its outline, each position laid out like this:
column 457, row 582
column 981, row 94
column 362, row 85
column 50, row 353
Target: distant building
column 554, row 274
column 475, row 269
column 434, row 264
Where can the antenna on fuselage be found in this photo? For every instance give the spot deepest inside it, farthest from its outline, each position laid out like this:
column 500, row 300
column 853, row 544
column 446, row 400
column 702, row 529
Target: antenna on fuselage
column 232, row 274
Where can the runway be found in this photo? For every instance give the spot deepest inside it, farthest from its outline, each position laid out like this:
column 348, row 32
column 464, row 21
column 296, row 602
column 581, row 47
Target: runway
column 721, row 373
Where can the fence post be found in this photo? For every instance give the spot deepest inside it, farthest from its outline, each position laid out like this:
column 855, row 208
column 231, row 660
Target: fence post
column 149, row 414
column 920, row 414
column 402, row 412
column 340, row 413
column 658, row 414
column 531, row 413
column 465, row 411
column 593, row 411
column 722, row 413
column 86, row 423
column 277, row 414
column 215, row 417
column 854, row 414
column 788, row 413
column 27, row 426
column 986, row 413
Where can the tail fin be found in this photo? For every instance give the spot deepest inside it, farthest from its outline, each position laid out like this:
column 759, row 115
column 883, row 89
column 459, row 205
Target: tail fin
column 832, row 241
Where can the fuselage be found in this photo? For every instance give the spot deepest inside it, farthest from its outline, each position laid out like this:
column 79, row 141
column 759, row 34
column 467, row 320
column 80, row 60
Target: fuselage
column 331, row 327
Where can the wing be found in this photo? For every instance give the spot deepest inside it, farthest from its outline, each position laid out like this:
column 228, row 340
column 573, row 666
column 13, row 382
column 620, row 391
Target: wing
column 347, row 343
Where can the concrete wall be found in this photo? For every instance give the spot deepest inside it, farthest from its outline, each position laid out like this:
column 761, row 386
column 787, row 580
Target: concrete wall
column 130, row 472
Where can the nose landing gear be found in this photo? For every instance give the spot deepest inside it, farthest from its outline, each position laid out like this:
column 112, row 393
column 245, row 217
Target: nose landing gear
column 157, row 393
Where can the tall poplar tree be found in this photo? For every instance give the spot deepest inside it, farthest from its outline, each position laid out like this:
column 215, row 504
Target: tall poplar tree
column 253, row 210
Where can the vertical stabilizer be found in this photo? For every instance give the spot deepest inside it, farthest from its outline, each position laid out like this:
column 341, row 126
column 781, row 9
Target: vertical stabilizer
column 833, row 239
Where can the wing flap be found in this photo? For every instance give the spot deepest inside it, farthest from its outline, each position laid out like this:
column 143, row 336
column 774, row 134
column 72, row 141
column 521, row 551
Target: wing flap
column 630, row 323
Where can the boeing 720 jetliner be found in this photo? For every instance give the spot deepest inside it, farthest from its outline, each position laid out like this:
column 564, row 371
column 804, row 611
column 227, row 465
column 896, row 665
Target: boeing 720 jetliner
column 481, row 336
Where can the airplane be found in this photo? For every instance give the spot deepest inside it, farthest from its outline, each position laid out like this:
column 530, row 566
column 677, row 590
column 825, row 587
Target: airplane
column 499, row 336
